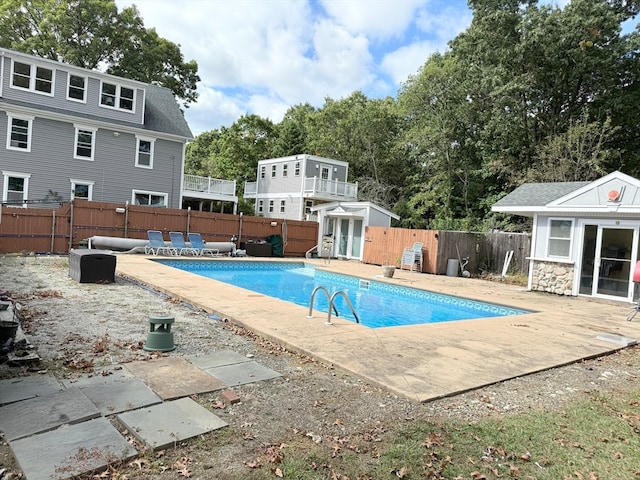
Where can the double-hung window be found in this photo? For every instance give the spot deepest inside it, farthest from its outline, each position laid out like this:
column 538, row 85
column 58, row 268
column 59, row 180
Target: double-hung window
column 85, row 141
column 32, row 77
column 81, row 190
column 19, row 133
column 296, row 169
column 282, row 206
column 144, row 152
column 284, row 169
column 270, row 206
column 560, row 233
column 16, row 189
column 116, row 96
column 263, row 171
column 76, row 88
column 274, row 171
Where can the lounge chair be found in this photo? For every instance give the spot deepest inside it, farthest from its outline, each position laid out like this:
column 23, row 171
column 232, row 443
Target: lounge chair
column 199, row 246
column 156, row 244
column 413, row 257
column 178, row 243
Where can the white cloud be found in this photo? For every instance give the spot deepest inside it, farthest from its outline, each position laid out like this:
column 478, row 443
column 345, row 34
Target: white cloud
column 263, row 57
column 379, row 18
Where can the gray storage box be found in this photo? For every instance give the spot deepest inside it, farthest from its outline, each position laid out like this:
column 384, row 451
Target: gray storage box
column 92, row 266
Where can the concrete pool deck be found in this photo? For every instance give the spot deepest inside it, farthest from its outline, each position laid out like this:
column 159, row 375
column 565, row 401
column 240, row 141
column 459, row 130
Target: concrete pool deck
column 420, row 362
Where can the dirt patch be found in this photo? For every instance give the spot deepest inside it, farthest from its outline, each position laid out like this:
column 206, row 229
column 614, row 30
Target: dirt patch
column 81, row 329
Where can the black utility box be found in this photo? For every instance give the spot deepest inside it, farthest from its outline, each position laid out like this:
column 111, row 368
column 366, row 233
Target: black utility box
column 92, row 266
column 259, row 249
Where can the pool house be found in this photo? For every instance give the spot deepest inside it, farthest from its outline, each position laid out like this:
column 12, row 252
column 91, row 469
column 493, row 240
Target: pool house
column 585, row 235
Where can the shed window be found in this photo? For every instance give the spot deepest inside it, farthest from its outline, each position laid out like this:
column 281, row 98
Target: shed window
column 560, row 238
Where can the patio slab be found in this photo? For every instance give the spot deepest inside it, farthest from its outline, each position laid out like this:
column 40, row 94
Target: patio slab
column 161, row 426
column 174, row 377
column 217, row 359
column 118, row 392
column 242, row 373
column 71, row 450
column 23, row 388
column 40, row 414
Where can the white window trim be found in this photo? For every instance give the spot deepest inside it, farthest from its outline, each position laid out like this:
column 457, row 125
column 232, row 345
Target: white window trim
column 5, row 187
column 570, row 239
column 84, row 97
column 75, row 182
column 274, row 171
column 94, row 131
column 147, row 192
column 296, row 169
column 260, row 206
column 151, row 153
column 116, row 105
column 271, row 206
column 284, row 170
column 283, row 206
column 10, row 119
column 32, row 78
column 263, row 171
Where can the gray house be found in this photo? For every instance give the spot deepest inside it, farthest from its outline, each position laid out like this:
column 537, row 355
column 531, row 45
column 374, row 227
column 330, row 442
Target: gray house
column 67, row 133
column 289, row 187
column 586, row 235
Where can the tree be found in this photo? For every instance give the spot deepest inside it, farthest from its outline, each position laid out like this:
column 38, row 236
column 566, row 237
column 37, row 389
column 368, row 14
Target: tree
column 293, row 131
column 93, row 34
column 362, row 132
column 441, row 137
column 537, row 68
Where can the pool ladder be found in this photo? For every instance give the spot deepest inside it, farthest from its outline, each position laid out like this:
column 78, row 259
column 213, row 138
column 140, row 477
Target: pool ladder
column 332, row 306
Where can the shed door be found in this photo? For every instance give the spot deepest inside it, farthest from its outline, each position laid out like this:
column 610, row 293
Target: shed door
column 612, row 265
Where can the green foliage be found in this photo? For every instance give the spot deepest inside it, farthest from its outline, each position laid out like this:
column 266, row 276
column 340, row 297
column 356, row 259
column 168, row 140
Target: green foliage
column 92, row 34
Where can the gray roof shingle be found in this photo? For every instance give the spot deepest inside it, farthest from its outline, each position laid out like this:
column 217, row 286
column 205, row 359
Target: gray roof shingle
column 538, row 194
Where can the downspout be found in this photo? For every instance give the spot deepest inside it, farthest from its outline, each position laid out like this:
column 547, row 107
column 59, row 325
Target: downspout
column 71, row 228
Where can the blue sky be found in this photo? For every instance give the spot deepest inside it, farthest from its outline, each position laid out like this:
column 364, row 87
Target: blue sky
column 263, row 56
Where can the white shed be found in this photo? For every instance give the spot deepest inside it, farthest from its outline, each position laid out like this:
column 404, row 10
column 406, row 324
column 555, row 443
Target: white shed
column 343, row 224
column 585, row 235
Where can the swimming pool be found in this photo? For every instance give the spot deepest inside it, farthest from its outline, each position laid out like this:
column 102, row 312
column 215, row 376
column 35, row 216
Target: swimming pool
column 377, row 304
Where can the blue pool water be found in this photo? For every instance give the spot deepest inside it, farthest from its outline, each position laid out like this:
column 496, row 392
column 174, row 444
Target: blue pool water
column 377, row 304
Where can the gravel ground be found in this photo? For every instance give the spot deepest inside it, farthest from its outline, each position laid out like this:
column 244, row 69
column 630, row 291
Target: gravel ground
column 79, row 329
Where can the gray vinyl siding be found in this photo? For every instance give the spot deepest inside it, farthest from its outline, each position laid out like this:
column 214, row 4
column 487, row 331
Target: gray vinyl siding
column 52, row 166
column 59, row 100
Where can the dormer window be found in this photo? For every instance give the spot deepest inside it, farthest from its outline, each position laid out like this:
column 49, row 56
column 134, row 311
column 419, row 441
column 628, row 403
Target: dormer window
column 77, row 88
column 32, row 77
column 116, row 96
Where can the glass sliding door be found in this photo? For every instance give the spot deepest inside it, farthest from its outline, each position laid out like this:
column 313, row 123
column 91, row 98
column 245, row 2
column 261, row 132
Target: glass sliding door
column 613, row 262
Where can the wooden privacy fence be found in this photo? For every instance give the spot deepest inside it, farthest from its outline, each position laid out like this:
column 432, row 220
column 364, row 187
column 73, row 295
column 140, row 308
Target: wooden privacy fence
column 486, row 252
column 69, row 226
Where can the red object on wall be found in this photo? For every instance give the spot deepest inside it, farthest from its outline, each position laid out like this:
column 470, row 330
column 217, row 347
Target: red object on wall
column 636, row 273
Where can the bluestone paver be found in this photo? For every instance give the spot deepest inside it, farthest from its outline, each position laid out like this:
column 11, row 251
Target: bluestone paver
column 115, row 393
column 71, row 450
column 162, row 426
column 218, row 358
column 22, row 388
column 40, row 414
column 242, row 373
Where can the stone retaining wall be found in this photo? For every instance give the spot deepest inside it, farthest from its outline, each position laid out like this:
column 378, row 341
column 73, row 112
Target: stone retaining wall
column 552, row 277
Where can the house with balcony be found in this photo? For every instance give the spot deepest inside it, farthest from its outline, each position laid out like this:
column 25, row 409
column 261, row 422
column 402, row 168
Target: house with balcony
column 289, row 187
column 68, row 133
